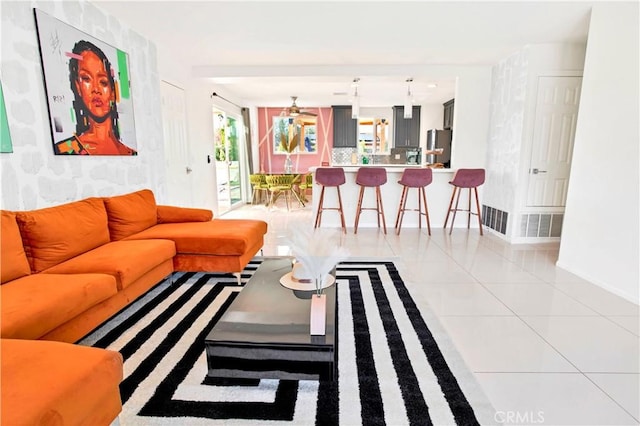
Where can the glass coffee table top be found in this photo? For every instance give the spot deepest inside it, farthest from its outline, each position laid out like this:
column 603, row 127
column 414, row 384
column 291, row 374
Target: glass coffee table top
column 267, row 313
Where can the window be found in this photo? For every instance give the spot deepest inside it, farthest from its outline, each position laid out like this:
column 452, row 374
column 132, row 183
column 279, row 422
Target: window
column 295, row 135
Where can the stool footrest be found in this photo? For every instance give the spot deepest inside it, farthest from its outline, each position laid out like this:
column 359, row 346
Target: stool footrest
column 321, row 208
column 423, row 209
column 456, row 191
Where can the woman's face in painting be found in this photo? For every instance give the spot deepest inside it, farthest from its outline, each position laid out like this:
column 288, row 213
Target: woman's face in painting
column 93, row 85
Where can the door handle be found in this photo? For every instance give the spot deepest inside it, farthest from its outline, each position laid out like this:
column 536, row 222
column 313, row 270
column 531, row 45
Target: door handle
column 189, row 170
column 536, row 171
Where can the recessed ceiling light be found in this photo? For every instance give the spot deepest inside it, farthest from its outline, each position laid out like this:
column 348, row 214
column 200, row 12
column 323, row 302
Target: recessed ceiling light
column 340, row 93
column 432, row 85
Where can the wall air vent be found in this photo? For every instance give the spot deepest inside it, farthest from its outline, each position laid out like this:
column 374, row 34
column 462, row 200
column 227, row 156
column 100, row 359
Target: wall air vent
column 541, row 225
column 495, row 219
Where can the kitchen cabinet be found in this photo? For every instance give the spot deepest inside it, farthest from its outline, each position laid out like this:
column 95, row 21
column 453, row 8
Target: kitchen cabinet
column 345, row 128
column 406, row 131
column 448, row 115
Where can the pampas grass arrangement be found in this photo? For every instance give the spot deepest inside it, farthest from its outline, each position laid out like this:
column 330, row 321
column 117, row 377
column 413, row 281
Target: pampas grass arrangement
column 289, row 144
column 318, row 252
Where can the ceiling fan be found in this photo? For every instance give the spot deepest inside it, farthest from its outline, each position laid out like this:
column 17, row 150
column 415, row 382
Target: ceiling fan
column 294, row 110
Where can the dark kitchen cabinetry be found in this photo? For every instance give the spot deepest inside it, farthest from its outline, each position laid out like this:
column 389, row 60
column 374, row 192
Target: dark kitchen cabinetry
column 406, row 131
column 448, row 115
column 345, row 128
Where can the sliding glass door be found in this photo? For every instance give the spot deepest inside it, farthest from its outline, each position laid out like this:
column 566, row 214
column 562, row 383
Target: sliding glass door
column 229, row 152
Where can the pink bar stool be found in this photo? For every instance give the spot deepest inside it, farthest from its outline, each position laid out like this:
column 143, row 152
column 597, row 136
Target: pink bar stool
column 371, row 177
column 330, row 177
column 465, row 178
column 414, row 178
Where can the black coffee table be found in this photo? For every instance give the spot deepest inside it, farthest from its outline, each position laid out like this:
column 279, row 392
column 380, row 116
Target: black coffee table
column 265, row 332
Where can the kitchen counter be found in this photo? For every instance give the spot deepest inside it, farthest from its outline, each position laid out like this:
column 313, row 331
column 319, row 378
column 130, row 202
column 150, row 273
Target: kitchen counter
column 389, row 167
column 438, row 197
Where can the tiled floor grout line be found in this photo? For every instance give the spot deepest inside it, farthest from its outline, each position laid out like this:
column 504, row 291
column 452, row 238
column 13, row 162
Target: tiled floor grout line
column 609, row 396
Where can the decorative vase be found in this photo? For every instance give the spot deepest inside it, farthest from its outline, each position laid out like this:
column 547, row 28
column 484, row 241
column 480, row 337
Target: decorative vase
column 288, row 165
column 318, row 315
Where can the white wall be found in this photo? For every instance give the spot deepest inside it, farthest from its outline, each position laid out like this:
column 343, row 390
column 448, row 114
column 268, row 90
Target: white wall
column 508, row 102
column 471, row 117
column 513, row 101
column 431, row 117
column 601, row 225
column 32, row 176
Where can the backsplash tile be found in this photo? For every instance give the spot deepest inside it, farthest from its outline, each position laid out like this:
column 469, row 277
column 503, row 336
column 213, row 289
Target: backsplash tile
column 343, row 155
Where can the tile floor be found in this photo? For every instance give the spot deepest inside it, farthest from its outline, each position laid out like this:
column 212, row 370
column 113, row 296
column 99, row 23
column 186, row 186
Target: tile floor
column 546, row 346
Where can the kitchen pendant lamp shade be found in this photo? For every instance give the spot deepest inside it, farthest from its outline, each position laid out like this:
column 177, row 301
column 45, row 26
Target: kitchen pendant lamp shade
column 408, row 102
column 355, row 108
column 408, row 108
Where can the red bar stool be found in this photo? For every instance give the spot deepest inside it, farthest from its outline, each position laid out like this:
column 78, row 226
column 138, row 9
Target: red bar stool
column 371, row 177
column 330, row 177
column 414, row 178
column 465, row 178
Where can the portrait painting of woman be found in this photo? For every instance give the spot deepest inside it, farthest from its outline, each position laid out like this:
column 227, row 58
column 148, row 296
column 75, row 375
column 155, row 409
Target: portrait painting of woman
column 87, row 85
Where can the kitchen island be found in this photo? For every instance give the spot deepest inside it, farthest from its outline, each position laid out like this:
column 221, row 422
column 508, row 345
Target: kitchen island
column 438, row 197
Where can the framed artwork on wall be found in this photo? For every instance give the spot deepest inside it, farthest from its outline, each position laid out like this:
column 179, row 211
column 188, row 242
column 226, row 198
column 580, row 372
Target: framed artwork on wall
column 5, row 136
column 88, row 91
column 294, row 135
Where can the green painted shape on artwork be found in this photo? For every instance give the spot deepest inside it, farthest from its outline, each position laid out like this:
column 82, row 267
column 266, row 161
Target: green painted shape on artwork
column 123, row 69
column 5, row 136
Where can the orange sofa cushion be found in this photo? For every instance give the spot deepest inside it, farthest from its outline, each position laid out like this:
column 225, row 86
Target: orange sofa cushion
column 125, row 260
column 55, row 234
column 216, row 237
column 13, row 260
column 54, row 383
column 36, row 304
column 131, row 213
column 171, row 214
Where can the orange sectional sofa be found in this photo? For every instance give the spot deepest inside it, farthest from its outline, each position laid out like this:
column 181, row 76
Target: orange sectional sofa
column 66, row 269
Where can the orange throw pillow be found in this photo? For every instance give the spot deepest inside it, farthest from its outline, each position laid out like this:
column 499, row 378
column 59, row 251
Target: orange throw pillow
column 13, row 260
column 56, row 234
column 171, row 214
column 131, row 213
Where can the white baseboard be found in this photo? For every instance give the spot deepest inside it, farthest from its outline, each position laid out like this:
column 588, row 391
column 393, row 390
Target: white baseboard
column 599, row 283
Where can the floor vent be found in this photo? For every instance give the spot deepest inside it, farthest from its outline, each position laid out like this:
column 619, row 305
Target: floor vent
column 541, row 225
column 495, row 219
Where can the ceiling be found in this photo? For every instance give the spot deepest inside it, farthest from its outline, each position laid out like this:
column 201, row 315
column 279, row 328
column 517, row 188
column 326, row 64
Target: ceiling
column 262, row 52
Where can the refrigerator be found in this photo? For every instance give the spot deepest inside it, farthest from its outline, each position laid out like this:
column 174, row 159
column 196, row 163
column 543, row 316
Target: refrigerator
column 439, row 139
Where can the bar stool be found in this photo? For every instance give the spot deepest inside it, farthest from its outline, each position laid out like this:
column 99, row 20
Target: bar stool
column 372, row 177
column 414, row 178
column 465, row 178
column 330, row 177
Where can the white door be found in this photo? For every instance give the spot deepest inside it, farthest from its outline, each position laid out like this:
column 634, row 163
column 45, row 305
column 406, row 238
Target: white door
column 176, row 146
column 553, row 136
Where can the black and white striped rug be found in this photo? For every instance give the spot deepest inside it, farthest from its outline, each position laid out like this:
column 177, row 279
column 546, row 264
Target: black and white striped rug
column 391, row 369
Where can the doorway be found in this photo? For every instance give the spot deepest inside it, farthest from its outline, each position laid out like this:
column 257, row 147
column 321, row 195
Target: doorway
column 229, row 152
column 556, row 116
column 176, row 152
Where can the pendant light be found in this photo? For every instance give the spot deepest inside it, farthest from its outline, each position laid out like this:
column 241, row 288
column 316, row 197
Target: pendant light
column 355, row 107
column 408, row 101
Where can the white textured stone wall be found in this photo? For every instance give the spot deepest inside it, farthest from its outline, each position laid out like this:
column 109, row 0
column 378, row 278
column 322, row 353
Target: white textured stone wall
column 32, row 176
column 508, row 103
